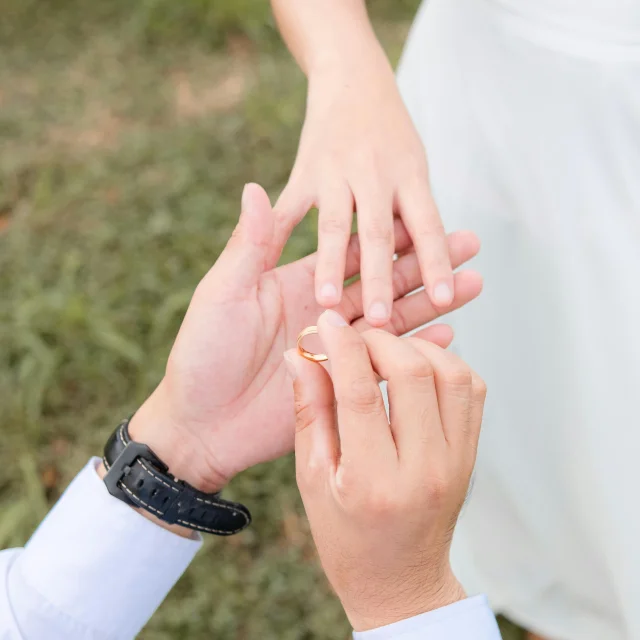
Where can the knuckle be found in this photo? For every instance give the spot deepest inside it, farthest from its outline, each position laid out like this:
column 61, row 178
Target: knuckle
column 458, row 376
column 379, row 231
column 431, row 233
column 305, row 415
column 479, row 388
column 362, row 396
column 353, row 349
column 419, row 370
column 310, row 473
column 376, row 282
column 350, row 485
column 381, row 502
column 333, row 225
column 414, row 377
column 437, row 491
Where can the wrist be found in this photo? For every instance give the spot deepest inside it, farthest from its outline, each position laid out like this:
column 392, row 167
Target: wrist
column 173, row 528
column 155, row 425
column 361, row 56
column 408, row 605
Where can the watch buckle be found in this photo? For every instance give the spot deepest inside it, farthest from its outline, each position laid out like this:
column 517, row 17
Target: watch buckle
column 121, row 467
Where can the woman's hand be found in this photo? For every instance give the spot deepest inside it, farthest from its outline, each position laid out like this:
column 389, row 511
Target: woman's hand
column 383, row 496
column 225, row 401
column 359, row 151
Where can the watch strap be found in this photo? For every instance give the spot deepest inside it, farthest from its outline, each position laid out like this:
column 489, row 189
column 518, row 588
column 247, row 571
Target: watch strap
column 138, row 477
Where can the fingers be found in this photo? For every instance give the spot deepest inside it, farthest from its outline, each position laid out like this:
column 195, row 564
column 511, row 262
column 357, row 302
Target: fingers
column 352, row 266
column 316, row 439
column 440, row 334
column 375, row 226
column 334, row 231
column 422, row 220
column 244, row 258
column 462, row 246
column 461, row 394
column 362, row 420
column 402, row 240
column 478, row 397
column 406, row 277
column 415, row 310
column 292, row 205
column 413, row 401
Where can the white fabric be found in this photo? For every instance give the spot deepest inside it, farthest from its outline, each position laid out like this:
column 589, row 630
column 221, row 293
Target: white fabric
column 530, row 114
column 469, row 619
column 97, row 570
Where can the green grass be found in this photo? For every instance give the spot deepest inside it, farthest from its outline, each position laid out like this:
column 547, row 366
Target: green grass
column 127, row 135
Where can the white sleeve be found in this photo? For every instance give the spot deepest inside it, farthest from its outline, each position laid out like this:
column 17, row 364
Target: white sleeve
column 470, row 619
column 94, row 569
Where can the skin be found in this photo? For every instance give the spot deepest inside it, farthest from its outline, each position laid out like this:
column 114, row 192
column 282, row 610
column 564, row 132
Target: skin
column 359, row 151
column 389, row 490
column 225, row 404
column 225, row 401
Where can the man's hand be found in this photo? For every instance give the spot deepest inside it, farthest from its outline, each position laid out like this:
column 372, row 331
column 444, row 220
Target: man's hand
column 383, row 498
column 225, row 401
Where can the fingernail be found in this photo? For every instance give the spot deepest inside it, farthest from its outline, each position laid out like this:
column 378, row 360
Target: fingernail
column 244, row 202
column 335, row 319
column 378, row 311
column 442, row 294
column 329, row 292
column 290, row 364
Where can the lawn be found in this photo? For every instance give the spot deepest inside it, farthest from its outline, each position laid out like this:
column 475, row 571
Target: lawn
column 127, row 134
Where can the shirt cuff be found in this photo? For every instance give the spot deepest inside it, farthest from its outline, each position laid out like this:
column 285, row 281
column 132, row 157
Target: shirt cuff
column 99, row 562
column 470, row 619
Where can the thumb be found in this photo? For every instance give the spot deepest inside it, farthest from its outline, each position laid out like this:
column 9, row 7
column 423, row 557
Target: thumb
column 292, row 205
column 244, row 259
column 316, row 439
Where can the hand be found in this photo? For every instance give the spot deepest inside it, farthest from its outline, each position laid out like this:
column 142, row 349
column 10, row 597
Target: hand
column 225, row 401
column 359, row 151
column 383, row 499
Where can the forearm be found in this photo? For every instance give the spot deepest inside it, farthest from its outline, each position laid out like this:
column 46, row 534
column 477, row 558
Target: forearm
column 324, row 35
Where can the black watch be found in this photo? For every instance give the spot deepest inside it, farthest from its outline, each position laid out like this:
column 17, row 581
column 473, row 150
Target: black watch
column 138, row 477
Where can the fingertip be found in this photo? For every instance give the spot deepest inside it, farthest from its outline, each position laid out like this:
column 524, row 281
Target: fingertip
column 471, row 240
column 256, row 222
column 471, row 282
column 378, row 314
column 331, row 318
column 254, row 197
column 328, row 294
column 330, row 325
column 442, row 335
column 442, row 293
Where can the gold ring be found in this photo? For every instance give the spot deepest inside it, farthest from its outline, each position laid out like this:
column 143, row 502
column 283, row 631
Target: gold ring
column 314, row 357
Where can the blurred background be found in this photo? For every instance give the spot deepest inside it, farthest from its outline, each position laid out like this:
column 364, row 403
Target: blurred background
column 127, row 132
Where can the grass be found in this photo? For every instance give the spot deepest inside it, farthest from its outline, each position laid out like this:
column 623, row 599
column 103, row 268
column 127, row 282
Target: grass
column 127, row 135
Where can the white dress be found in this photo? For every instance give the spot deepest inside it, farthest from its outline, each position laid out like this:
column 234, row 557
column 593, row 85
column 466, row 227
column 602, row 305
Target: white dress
column 530, row 114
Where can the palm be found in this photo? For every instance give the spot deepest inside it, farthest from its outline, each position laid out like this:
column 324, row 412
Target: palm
column 250, row 337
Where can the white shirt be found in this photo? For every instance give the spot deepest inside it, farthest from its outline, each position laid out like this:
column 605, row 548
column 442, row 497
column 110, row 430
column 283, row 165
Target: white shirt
column 95, row 569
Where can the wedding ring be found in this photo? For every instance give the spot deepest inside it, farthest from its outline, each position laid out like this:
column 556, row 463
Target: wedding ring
column 314, row 357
